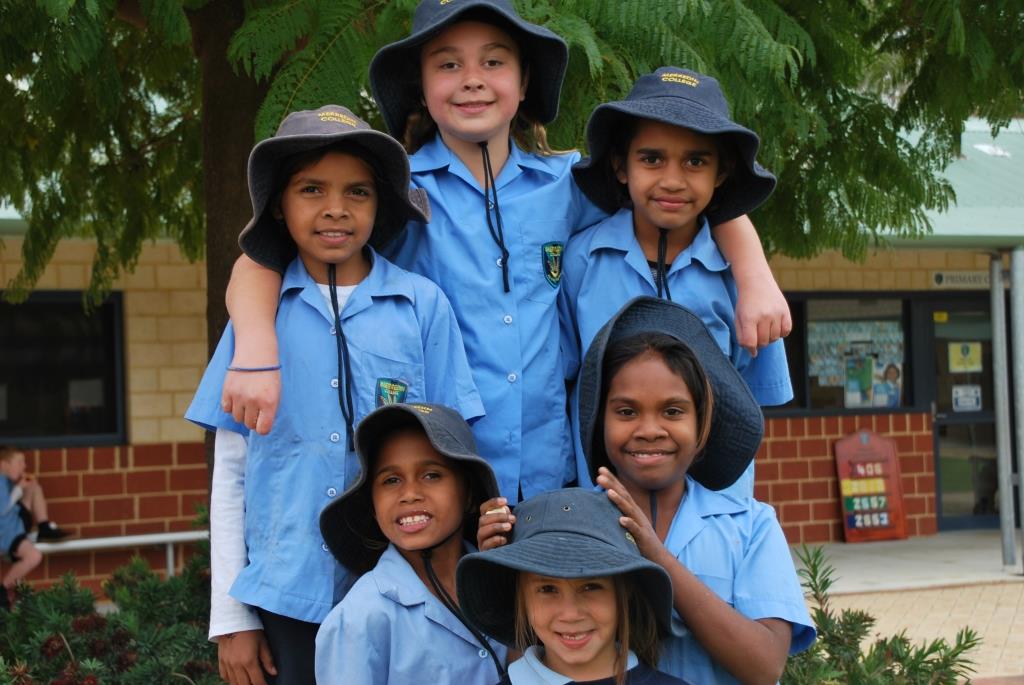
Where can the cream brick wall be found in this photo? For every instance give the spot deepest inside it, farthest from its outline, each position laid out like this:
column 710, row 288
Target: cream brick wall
column 902, row 269
column 165, row 330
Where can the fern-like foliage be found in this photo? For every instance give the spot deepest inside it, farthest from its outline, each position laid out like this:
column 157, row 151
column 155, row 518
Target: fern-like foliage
column 859, row 104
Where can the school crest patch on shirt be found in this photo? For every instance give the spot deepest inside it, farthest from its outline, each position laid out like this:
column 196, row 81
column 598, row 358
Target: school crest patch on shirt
column 391, row 391
column 551, row 253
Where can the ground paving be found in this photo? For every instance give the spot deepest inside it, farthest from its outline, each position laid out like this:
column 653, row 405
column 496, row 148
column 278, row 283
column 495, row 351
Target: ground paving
column 932, row 587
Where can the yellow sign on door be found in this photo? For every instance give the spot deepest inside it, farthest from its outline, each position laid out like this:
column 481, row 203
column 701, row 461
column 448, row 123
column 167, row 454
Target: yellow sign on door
column 965, row 357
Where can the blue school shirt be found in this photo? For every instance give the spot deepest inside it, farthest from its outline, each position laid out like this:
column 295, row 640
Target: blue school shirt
column 11, row 525
column 390, row 630
column 605, row 267
column 401, row 333
column 736, row 547
column 511, row 338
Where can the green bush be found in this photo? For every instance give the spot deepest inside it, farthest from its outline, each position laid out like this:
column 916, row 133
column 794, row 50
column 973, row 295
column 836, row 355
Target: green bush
column 157, row 634
column 837, row 657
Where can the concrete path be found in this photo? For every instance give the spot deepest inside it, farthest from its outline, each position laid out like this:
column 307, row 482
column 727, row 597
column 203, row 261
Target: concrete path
column 933, row 586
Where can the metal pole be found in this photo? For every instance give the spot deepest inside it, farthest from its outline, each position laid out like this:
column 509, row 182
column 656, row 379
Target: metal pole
column 1017, row 328
column 1000, row 374
column 170, row 559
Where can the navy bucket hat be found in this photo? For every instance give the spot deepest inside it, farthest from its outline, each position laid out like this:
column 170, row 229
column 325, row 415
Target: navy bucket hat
column 737, row 423
column 569, row 533
column 348, row 525
column 395, row 69
column 266, row 240
column 684, row 98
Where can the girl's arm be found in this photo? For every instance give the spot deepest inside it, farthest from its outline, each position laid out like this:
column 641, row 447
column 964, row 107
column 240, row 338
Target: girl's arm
column 252, row 297
column 762, row 315
column 242, row 650
column 717, row 626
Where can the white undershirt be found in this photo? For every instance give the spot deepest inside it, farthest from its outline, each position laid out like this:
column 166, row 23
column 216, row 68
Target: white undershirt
column 344, row 292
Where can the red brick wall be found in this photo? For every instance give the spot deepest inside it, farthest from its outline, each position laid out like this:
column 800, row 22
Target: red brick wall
column 796, row 472
column 127, row 490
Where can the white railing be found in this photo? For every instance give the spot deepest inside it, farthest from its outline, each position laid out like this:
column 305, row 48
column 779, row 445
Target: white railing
column 168, row 540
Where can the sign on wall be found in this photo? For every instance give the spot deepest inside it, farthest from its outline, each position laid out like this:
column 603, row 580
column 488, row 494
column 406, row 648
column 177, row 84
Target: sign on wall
column 869, row 488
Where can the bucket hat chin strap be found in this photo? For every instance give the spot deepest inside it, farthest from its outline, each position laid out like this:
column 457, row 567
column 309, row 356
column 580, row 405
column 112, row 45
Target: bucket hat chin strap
column 496, row 228
column 344, row 363
column 661, row 276
column 450, row 604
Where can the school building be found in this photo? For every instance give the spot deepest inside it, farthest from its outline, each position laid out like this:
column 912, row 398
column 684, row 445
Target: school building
column 899, row 345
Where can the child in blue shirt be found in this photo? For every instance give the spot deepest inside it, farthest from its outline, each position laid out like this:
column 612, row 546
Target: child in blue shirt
column 663, row 161
column 360, row 333
column 469, row 91
column 404, row 525
column 573, row 594
column 666, row 423
column 14, row 541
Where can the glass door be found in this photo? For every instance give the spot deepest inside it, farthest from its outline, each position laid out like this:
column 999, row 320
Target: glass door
column 964, row 427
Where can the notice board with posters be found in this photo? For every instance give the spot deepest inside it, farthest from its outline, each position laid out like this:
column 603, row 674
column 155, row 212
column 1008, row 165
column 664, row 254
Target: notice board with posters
column 870, row 488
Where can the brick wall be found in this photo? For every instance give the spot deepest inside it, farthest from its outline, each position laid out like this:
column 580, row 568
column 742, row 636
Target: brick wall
column 130, row 490
column 796, row 472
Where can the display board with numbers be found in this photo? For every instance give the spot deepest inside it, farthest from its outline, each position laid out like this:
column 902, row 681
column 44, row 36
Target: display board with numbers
column 870, row 489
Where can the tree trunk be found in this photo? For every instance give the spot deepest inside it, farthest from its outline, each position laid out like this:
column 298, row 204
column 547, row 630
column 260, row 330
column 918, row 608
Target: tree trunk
column 230, row 101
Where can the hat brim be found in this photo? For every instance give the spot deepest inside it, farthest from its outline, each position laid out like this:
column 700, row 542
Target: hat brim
column 737, row 422
column 266, row 241
column 395, row 79
column 746, row 189
column 486, row 581
column 348, row 525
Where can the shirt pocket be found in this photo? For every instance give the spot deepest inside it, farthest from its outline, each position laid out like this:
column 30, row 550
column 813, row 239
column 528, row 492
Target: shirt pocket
column 383, row 377
column 720, row 585
column 539, row 272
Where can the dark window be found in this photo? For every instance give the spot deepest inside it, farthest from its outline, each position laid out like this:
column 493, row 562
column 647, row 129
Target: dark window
column 61, row 371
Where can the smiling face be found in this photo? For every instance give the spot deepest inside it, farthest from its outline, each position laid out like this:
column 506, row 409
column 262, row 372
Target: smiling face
column 576, row 619
column 329, row 208
column 418, row 498
column 650, row 425
column 473, row 83
column 671, row 174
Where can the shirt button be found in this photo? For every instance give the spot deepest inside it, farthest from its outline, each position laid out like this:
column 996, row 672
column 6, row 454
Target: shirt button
column 334, row 382
column 333, row 331
column 490, row 204
column 482, row 653
column 507, row 318
column 335, row 437
column 512, row 378
column 498, row 261
column 324, row 547
column 331, row 492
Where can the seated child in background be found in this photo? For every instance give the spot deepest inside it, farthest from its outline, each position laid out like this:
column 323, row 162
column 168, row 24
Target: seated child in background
column 667, row 162
column 666, row 421
column 359, row 333
column 572, row 592
column 29, row 495
column 404, row 525
column 13, row 536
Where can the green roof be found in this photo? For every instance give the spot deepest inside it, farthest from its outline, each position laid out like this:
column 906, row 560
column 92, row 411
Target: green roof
column 989, row 183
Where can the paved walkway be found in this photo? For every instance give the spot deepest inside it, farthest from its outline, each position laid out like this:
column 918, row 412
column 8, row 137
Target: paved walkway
column 933, row 586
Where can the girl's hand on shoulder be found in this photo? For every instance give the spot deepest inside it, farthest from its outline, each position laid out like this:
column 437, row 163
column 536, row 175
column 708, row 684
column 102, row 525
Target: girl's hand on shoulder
column 243, row 657
column 633, row 519
column 251, row 397
column 495, row 524
column 762, row 315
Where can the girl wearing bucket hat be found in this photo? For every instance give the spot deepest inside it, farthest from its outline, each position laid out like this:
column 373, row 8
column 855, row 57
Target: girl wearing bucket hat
column 663, row 161
column 469, row 91
column 666, row 421
column 573, row 593
column 358, row 332
column 404, row 524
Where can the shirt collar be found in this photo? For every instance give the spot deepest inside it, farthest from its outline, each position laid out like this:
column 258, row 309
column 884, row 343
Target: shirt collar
column 435, row 155
column 618, row 235
column 699, row 503
column 384, row 280
column 530, row 670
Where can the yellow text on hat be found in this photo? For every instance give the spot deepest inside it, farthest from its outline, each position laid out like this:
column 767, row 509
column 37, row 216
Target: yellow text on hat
column 422, row 408
column 676, row 77
column 445, row 2
column 337, row 117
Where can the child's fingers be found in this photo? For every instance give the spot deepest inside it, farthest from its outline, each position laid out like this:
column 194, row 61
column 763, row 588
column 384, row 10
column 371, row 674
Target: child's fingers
column 265, row 420
column 493, row 504
column 266, row 659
